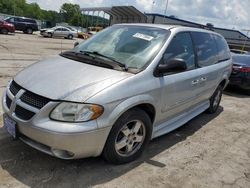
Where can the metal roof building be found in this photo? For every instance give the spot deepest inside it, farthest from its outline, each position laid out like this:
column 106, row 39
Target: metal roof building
column 235, row 38
column 120, row 14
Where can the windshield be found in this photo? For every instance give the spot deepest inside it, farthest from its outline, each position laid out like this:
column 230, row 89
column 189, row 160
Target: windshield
column 133, row 46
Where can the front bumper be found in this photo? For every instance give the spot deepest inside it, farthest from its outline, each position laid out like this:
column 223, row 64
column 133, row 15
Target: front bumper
column 60, row 139
column 44, row 33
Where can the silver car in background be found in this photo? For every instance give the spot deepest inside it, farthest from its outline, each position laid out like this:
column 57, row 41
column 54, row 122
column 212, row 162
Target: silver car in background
column 116, row 91
column 59, row 31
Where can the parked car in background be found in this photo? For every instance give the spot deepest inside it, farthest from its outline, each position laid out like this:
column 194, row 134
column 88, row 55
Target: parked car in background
column 27, row 25
column 72, row 28
column 6, row 27
column 241, row 71
column 84, row 35
column 90, row 31
column 94, row 30
column 116, row 91
column 59, row 31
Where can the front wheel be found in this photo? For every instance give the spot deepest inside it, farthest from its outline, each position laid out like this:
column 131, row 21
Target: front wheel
column 128, row 137
column 215, row 100
column 50, row 35
column 4, row 31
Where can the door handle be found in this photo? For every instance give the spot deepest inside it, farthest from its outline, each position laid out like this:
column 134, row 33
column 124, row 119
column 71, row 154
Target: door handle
column 195, row 82
column 203, row 79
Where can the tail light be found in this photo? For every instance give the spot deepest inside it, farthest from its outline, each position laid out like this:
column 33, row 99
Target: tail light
column 240, row 69
column 245, row 69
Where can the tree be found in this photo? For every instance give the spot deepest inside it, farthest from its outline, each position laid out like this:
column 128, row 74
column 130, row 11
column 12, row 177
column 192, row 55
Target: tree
column 71, row 13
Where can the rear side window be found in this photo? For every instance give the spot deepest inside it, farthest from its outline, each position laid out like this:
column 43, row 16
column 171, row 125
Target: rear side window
column 29, row 21
column 181, row 47
column 18, row 19
column 64, row 29
column 223, row 49
column 206, row 48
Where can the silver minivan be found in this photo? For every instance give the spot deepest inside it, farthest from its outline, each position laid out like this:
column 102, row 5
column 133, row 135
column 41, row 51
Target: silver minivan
column 116, row 91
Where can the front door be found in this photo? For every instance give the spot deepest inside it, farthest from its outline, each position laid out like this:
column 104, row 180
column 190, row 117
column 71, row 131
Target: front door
column 57, row 32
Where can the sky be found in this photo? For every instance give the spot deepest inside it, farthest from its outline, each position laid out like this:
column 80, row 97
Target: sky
column 231, row 14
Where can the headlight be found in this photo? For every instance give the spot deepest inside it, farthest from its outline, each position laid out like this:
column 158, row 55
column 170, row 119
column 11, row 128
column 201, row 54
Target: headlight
column 76, row 112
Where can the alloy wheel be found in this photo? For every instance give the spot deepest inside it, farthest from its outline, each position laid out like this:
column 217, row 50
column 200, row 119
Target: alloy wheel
column 217, row 99
column 130, row 138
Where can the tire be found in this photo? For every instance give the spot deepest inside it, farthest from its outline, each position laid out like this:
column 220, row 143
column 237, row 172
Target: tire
column 50, row 35
column 70, row 36
column 4, row 31
column 215, row 100
column 29, row 31
column 128, row 137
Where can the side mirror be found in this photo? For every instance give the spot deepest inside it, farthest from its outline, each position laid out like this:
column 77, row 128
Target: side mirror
column 172, row 66
column 76, row 44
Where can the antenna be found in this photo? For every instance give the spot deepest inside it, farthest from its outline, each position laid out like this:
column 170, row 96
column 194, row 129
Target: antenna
column 61, row 22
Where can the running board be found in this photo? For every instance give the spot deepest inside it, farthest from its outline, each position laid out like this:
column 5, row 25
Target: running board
column 178, row 121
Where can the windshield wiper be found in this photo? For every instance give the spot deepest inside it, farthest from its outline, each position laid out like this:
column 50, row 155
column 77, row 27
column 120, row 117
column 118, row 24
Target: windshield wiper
column 95, row 53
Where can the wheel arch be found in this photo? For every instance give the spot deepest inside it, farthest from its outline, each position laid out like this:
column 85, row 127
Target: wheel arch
column 223, row 83
column 144, row 102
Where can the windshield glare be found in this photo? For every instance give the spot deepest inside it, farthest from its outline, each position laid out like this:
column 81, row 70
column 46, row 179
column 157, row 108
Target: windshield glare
column 133, row 46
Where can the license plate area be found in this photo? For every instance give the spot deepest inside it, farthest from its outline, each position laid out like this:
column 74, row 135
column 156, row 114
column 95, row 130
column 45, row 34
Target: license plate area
column 10, row 125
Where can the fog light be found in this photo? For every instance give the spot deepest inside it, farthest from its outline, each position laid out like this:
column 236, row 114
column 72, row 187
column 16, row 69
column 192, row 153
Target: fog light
column 63, row 154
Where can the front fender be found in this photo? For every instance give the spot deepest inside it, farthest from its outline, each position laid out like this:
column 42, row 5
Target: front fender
column 123, row 107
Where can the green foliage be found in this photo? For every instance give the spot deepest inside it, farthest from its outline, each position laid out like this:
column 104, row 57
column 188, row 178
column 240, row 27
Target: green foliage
column 69, row 13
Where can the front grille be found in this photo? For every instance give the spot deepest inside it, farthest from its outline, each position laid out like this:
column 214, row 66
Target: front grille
column 22, row 113
column 8, row 101
column 29, row 98
column 34, row 99
column 14, row 88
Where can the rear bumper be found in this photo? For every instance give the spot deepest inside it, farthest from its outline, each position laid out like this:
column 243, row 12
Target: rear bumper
column 11, row 30
column 243, row 81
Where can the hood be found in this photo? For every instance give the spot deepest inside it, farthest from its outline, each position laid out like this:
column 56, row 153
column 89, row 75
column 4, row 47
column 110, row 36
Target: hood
column 49, row 30
column 61, row 78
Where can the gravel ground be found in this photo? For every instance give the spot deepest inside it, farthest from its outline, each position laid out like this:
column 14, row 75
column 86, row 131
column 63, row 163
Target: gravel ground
column 209, row 151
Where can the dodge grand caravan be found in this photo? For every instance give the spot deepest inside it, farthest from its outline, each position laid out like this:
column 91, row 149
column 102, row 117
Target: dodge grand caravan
column 116, row 91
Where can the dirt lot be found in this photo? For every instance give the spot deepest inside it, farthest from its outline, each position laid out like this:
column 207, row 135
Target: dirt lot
column 209, row 151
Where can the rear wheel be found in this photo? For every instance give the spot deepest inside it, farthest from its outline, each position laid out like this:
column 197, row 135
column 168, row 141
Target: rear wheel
column 215, row 100
column 70, row 36
column 128, row 137
column 4, row 31
column 29, row 30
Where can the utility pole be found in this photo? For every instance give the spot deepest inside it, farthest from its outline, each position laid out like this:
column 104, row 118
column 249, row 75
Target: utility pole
column 166, row 8
column 247, row 30
column 152, row 7
column 165, row 11
column 14, row 7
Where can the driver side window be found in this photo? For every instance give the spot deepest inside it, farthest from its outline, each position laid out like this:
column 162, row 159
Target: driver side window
column 181, row 47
